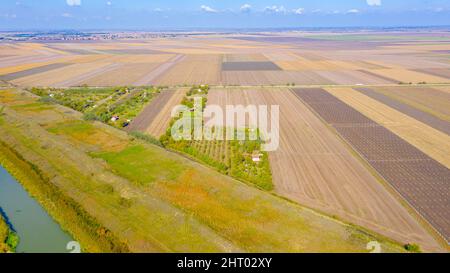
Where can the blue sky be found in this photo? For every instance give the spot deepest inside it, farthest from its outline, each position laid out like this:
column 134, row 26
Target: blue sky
column 170, row 14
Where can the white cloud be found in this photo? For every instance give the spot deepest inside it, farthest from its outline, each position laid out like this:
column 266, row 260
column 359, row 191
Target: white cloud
column 246, row 8
column 374, row 2
column 73, row 2
column 66, row 15
column 109, row 3
column 275, row 9
column 353, row 11
column 208, row 9
column 299, row 11
column 157, row 10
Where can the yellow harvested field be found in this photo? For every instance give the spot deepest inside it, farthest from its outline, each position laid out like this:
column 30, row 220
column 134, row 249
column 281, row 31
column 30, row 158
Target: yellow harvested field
column 54, row 77
column 122, row 75
column 91, row 58
column 420, row 47
column 194, row 69
column 13, row 69
column 198, row 59
column 352, row 77
column 427, row 139
column 305, row 64
column 271, row 77
column 150, row 58
column 26, row 66
column 313, row 167
column 365, row 65
column 244, row 58
column 443, row 88
column 281, row 56
column 435, row 101
column 195, row 51
column 407, row 76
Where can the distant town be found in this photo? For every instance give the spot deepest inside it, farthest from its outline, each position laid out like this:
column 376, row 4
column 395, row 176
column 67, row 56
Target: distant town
column 102, row 35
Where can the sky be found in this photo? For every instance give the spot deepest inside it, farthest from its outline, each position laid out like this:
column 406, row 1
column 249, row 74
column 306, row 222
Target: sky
column 211, row 14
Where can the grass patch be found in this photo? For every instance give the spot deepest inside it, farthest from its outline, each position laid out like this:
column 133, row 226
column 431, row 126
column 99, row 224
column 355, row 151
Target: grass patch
column 33, row 107
column 85, row 132
column 8, row 238
column 141, row 165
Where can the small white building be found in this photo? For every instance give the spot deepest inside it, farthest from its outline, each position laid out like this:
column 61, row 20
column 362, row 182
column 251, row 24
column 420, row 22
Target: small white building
column 257, row 157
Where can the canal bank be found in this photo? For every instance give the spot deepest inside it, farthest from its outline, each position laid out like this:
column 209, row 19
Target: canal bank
column 37, row 230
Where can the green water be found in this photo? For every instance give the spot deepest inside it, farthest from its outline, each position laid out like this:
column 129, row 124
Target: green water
column 38, row 232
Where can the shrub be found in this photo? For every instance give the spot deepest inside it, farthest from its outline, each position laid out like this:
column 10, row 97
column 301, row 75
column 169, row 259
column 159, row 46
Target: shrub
column 48, row 100
column 412, row 248
column 146, row 138
column 12, row 241
column 89, row 116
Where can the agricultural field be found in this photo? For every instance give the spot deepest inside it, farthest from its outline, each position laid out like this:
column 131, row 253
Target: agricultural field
column 422, row 181
column 364, row 140
column 302, row 59
column 312, row 165
column 139, row 196
column 154, row 119
column 434, row 143
column 233, row 158
column 434, row 101
column 425, row 116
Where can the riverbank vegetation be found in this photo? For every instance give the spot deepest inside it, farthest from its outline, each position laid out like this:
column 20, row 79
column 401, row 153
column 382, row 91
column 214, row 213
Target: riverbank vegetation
column 8, row 238
column 60, row 206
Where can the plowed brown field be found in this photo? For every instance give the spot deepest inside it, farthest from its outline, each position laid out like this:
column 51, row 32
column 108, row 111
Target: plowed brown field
column 313, row 167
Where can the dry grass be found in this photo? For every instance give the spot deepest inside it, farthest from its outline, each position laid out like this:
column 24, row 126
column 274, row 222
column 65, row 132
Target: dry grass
column 407, row 76
column 54, row 78
column 122, row 75
column 194, row 69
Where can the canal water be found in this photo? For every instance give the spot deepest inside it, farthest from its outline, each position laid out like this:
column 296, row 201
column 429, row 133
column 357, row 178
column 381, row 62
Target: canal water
column 37, row 231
